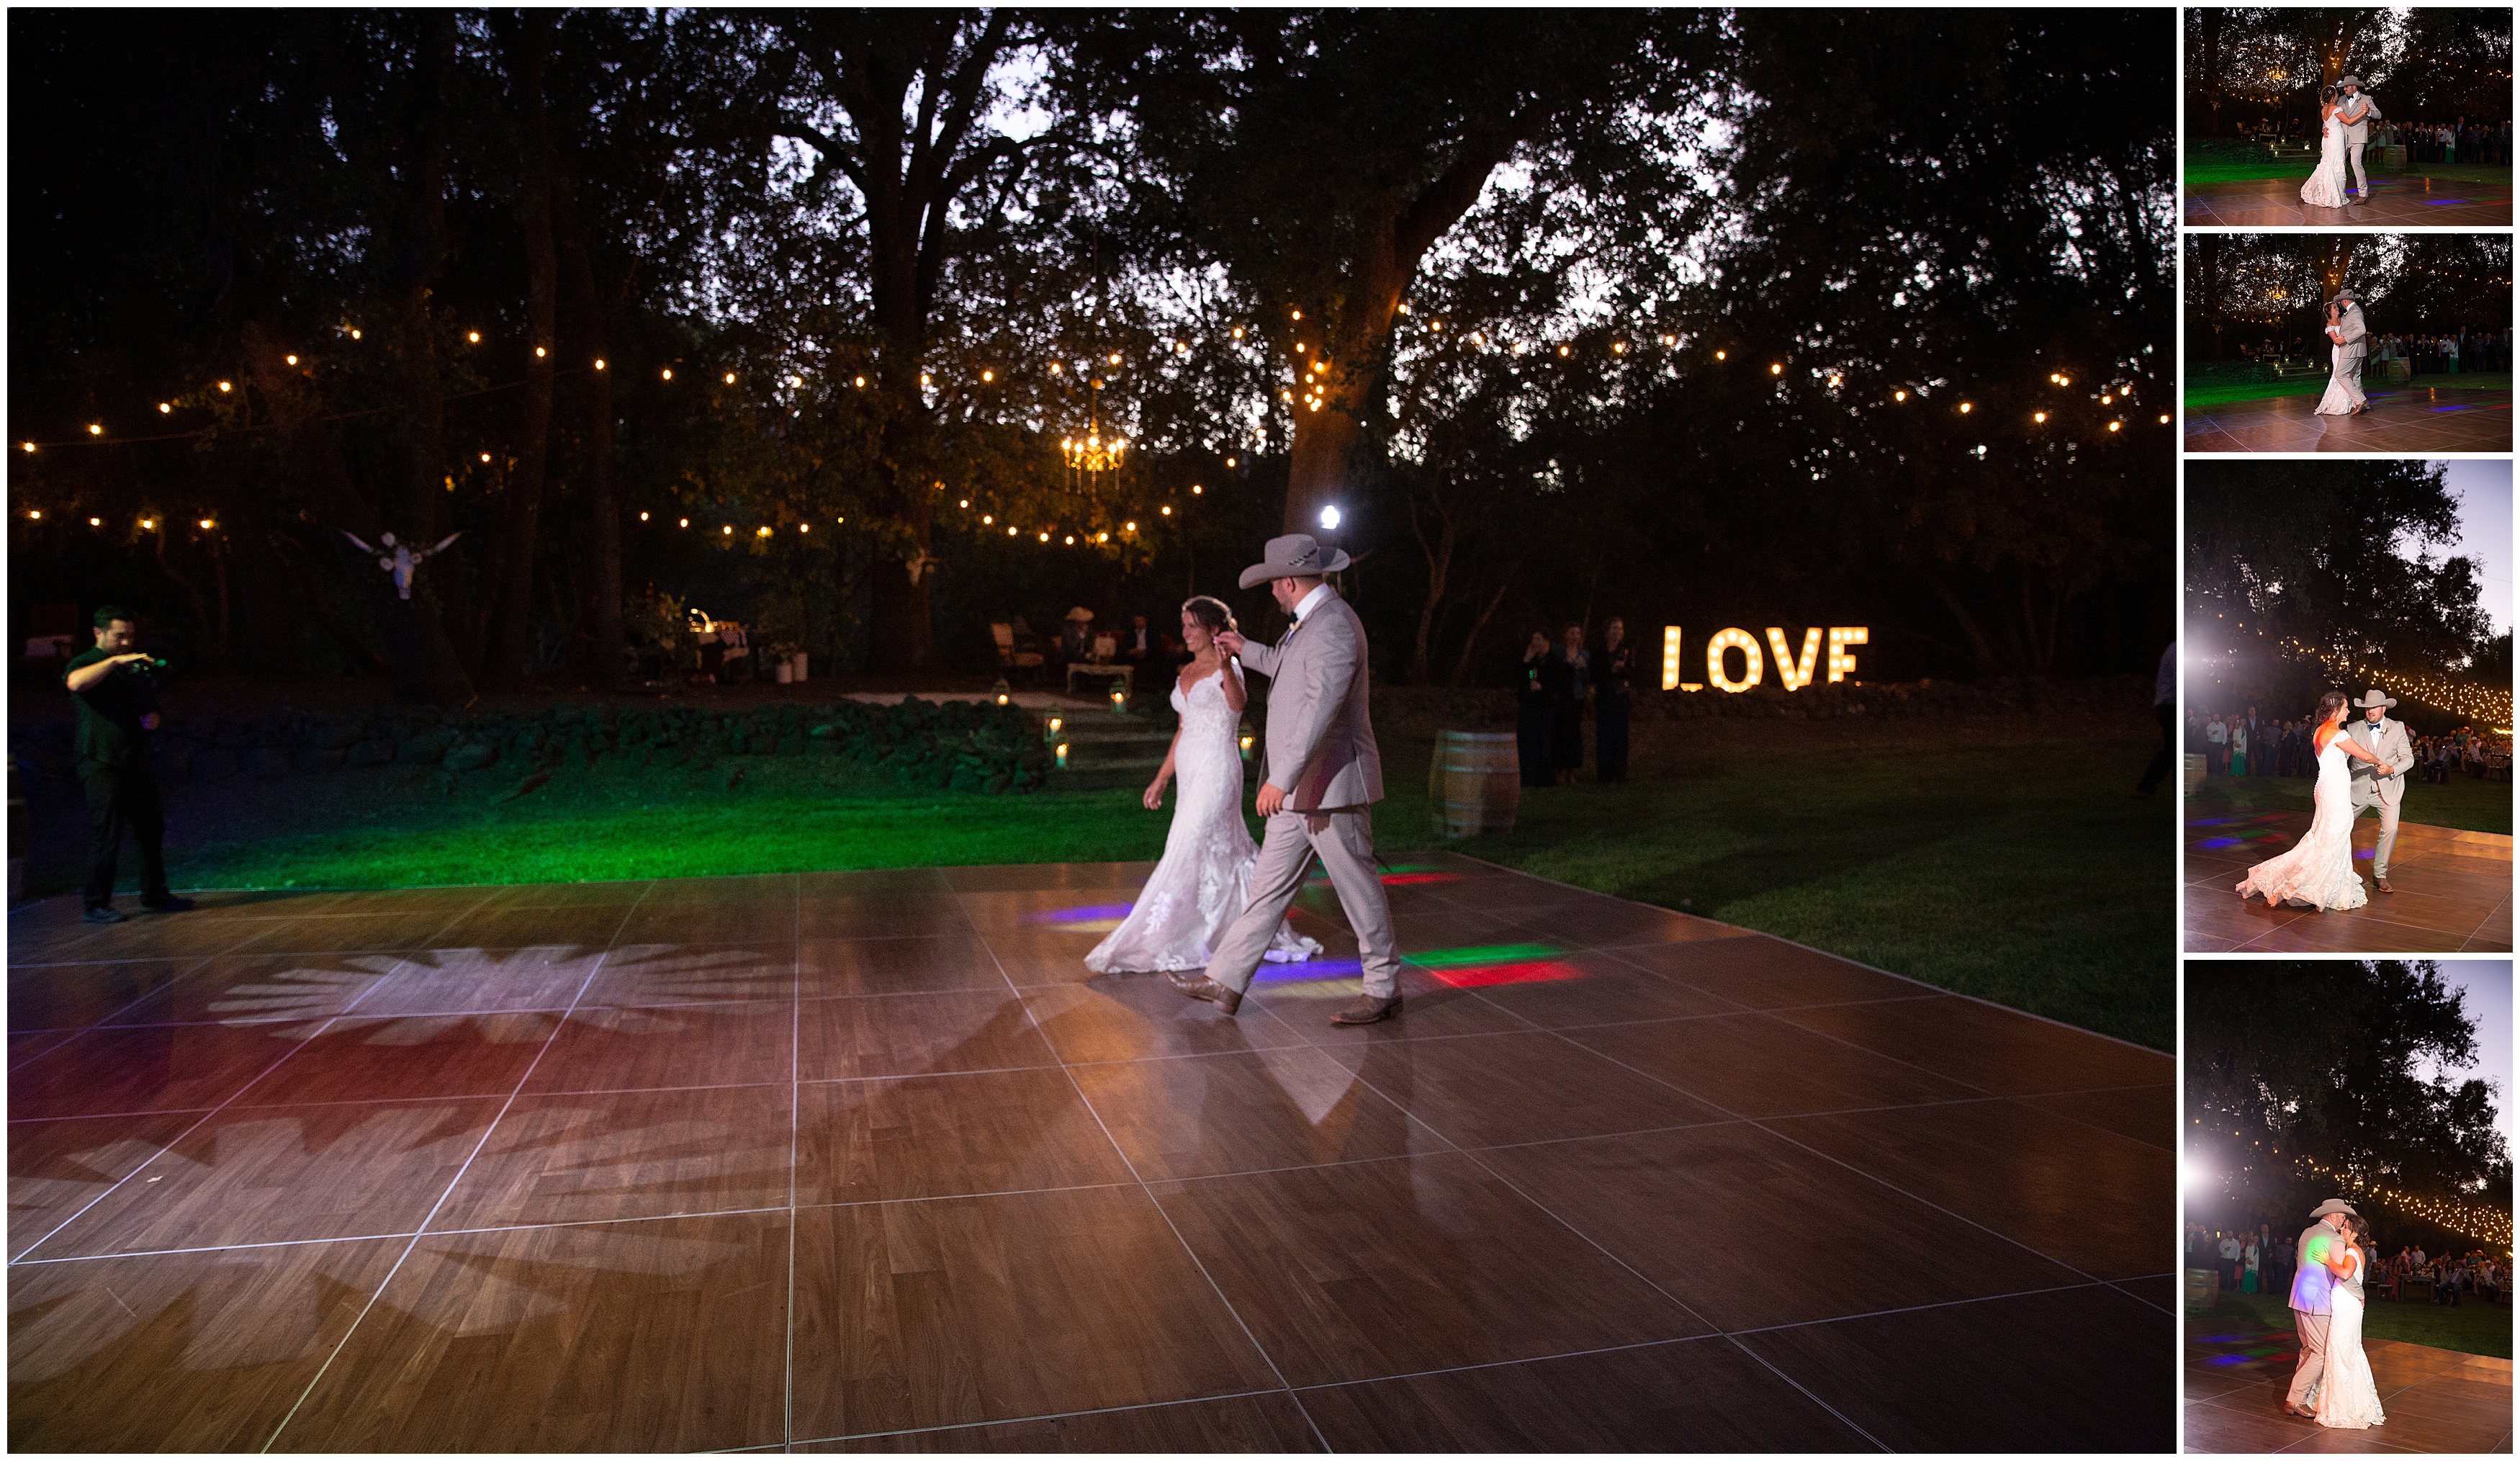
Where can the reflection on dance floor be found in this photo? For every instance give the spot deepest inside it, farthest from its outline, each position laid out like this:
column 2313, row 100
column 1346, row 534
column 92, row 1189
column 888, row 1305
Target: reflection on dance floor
column 2402, row 421
column 2438, row 1400
column 2405, row 202
column 872, row 1157
column 2453, row 891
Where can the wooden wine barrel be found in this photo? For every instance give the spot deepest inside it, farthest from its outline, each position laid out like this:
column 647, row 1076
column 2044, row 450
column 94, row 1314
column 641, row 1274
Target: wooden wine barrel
column 1475, row 783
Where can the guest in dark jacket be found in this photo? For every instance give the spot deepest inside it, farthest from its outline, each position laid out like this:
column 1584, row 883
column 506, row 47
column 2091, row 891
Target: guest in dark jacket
column 1566, row 731
column 1536, row 709
column 1611, row 697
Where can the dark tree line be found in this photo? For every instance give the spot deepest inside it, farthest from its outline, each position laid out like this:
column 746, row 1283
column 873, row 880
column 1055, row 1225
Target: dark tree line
column 2324, row 1059
column 2249, row 64
column 830, row 286
column 2271, row 289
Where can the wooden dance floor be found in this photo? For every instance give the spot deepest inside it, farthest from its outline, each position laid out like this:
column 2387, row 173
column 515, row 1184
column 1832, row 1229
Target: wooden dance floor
column 869, row 1160
column 2403, row 422
column 2238, row 1371
column 2453, row 891
column 2396, row 203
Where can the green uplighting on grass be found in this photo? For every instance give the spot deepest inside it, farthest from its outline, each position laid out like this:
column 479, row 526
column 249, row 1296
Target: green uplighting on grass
column 1486, row 953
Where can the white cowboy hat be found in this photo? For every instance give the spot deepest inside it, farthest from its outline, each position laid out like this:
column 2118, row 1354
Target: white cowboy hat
column 2345, row 294
column 2333, row 1205
column 1081, row 614
column 2348, row 81
column 1294, row 556
column 2372, row 698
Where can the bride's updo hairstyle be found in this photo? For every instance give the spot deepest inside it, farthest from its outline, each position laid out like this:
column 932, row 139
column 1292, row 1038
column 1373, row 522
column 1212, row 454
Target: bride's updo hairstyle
column 2329, row 704
column 2327, row 96
column 1211, row 614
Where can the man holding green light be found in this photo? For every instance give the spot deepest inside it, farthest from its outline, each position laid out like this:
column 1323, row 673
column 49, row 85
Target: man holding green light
column 2312, row 1304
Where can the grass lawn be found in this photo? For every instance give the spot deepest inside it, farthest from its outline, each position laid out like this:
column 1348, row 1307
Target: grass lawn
column 2469, row 804
column 2472, row 1328
column 2010, row 866
column 2200, row 393
column 2221, row 160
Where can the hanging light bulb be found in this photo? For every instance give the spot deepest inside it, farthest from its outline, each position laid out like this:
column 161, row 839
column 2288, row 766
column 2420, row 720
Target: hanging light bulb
column 166, row 409
column 474, row 335
column 730, row 378
column 226, row 386
column 96, row 431
column 668, row 375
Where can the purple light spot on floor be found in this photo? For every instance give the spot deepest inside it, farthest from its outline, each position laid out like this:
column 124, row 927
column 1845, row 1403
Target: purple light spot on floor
column 2365, row 852
column 2442, row 203
column 1310, row 969
column 2227, row 1360
column 1091, row 913
column 2212, row 821
column 2220, row 842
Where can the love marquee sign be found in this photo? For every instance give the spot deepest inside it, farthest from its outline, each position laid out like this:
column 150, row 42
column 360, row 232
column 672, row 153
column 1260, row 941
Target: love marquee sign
column 1794, row 671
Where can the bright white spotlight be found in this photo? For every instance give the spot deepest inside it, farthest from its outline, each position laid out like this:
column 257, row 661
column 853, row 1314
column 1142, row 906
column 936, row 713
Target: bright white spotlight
column 1330, row 519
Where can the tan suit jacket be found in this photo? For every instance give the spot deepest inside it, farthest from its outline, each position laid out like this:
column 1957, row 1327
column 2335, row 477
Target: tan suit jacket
column 1321, row 748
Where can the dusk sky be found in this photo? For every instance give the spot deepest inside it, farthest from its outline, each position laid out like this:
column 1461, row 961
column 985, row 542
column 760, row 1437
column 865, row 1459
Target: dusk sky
column 2484, row 491
column 2488, row 986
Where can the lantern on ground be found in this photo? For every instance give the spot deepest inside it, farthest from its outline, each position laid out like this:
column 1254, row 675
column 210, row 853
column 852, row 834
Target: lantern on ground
column 999, row 690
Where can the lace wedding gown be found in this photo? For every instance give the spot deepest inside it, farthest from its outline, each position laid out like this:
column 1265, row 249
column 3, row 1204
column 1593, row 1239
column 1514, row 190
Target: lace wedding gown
column 2318, row 871
column 1205, row 876
column 2348, row 1397
column 2327, row 186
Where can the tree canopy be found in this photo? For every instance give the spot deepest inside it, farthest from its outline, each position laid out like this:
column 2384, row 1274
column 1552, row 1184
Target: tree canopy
column 789, row 312
column 2308, row 1077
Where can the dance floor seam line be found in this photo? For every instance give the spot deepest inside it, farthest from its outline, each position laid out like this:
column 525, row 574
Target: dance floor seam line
column 1028, row 1420
column 523, row 1078
column 1250, row 1335
column 1763, row 1124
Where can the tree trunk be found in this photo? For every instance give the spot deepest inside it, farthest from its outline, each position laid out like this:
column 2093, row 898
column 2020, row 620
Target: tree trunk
column 1439, row 563
column 426, row 669
column 1471, row 641
column 512, row 612
column 588, row 301
column 1982, row 650
column 1356, row 337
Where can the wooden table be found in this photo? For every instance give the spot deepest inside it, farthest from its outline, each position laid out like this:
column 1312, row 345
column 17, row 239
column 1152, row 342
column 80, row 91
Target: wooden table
column 1127, row 674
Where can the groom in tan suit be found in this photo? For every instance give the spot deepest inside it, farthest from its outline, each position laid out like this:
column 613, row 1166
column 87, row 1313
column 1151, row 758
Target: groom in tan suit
column 1324, row 775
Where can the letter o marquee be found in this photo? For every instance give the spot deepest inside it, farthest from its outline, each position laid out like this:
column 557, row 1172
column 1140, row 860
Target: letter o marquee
column 1733, row 639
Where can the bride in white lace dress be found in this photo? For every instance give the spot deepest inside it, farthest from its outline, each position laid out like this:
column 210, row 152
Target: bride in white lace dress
column 2349, row 1398
column 2318, row 871
column 1204, row 879
column 2327, row 186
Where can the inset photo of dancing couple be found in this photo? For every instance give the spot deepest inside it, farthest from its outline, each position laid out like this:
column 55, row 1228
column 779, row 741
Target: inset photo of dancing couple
column 2347, row 659
column 2364, row 343
column 2365, row 117
column 2347, row 1205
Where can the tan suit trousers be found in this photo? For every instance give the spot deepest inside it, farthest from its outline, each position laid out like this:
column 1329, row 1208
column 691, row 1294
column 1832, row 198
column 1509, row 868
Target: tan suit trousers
column 1343, row 836
column 2313, row 1356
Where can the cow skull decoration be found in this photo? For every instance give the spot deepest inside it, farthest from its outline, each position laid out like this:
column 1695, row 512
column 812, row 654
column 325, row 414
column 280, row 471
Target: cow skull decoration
column 404, row 559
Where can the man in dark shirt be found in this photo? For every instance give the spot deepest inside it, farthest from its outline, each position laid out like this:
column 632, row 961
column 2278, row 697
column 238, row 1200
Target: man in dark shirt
column 118, row 709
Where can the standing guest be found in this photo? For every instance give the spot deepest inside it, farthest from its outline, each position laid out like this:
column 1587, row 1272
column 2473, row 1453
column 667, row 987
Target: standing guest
column 2230, row 1252
column 2258, row 740
column 2218, row 746
column 117, row 708
column 1076, row 635
column 1566, row 733
column 1611, row 702
column 2239, row 747
column 1536, row 712
column 2249, row 1266
column 2165, row 709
